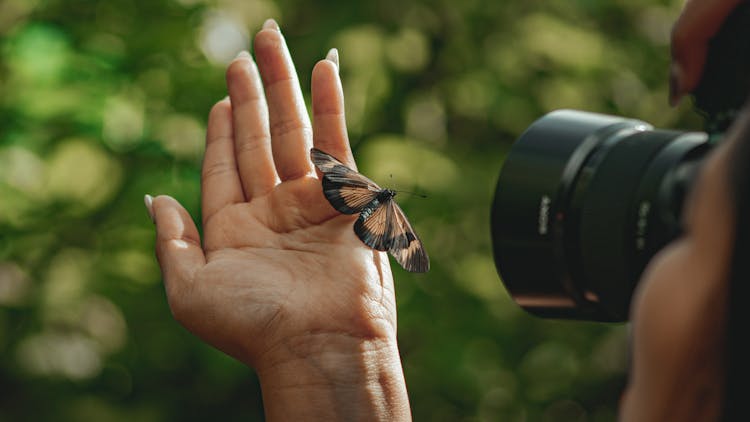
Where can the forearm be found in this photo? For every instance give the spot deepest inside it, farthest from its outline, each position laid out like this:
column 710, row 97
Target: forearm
column 334, row 377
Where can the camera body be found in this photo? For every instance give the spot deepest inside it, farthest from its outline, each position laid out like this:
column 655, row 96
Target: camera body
column 585, row 200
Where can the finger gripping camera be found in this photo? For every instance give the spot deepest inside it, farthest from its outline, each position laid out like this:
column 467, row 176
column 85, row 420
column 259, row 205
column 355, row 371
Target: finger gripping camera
column 585, row 200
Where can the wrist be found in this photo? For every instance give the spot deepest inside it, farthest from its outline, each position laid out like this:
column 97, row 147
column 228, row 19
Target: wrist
column 334, row 377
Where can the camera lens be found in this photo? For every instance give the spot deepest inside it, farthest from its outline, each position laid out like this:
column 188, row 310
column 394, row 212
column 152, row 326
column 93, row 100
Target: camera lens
column 583, row 202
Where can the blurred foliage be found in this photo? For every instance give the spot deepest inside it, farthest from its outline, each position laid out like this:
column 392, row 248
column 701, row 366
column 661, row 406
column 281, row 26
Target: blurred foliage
column 104, row 101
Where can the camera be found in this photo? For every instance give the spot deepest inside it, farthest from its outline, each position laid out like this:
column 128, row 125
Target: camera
column 585, row 200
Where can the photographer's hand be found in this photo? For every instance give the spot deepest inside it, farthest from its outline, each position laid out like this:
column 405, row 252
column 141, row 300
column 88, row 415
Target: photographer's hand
column 699, row 22
column 281, row 281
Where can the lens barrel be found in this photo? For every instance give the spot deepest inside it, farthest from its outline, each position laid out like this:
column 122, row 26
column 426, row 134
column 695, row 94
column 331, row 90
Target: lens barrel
column 582, row 203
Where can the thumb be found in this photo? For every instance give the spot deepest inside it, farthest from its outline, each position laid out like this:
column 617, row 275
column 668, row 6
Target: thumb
column 178, row 245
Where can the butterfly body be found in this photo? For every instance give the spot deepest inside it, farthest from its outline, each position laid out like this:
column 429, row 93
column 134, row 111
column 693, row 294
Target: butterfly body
column 382, row 224
column 383, row 197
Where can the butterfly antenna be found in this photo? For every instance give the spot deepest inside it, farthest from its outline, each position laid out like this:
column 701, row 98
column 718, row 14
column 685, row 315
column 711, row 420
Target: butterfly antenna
column 420, row 195
column 409, row 192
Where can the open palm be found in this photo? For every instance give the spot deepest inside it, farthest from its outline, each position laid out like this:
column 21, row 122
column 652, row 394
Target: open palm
column 278, row 269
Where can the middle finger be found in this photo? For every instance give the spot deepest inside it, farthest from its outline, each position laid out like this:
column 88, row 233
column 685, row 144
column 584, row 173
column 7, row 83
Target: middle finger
column 291, row 131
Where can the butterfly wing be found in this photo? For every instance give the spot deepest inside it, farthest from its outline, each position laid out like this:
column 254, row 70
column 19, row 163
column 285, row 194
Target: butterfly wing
column 373, row 226
column 384, row 227
column 347, row 191
column 405, row 245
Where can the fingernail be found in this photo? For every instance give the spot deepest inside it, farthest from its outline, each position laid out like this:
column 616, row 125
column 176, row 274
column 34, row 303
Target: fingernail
column 271, row 24
column 675, row 84
column 244, row 54
column 333, row 55
column 149, row 201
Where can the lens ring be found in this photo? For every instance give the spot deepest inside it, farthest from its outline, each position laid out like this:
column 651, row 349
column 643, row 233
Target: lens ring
column 567, row 242
column 605, row 253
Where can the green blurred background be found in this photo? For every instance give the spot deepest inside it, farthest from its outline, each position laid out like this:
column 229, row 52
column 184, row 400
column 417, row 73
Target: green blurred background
column 104, row 101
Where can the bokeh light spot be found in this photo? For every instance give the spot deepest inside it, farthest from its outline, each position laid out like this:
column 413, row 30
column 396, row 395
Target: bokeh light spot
column 15, row 284
column 23, row 170
column 136, row 265
column 39, row 53
column 408, row 50
column 123, row 122
column 83, row 174
column 222, row 36
column 182, row 135
column 560, row 42
column 66, row 280
column 425, row 119
column 470, row 95
column 103, row 321
column 51, row 353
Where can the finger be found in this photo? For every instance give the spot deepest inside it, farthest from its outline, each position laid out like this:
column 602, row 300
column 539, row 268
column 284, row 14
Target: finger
column 291, row 133
column 220, row 183
column 252, row 144
column 329, row 122
column 178, row 247
column 699, row 22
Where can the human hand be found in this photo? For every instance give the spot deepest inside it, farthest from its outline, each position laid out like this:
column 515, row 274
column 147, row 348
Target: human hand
column 699, row 21
column 281, row 282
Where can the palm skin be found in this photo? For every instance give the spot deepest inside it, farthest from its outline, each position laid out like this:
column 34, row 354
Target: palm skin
column 284, row 266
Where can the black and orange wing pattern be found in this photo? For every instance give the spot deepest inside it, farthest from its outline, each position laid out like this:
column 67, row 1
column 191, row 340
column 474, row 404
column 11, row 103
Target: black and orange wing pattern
column 348, row 191
column 382, row 224
column 373, row 226
column 406, row 246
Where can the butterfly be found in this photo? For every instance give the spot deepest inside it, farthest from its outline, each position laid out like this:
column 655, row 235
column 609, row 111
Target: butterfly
column 381, row 224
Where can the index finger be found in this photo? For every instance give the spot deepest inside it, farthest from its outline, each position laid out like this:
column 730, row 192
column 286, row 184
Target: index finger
column 220, row 183
column 699, row 21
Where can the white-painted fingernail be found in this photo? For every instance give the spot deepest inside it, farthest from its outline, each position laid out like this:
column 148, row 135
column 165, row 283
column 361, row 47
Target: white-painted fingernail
column 333, row 55
column 271, row 24
column 149, row 201
column 244, row 54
